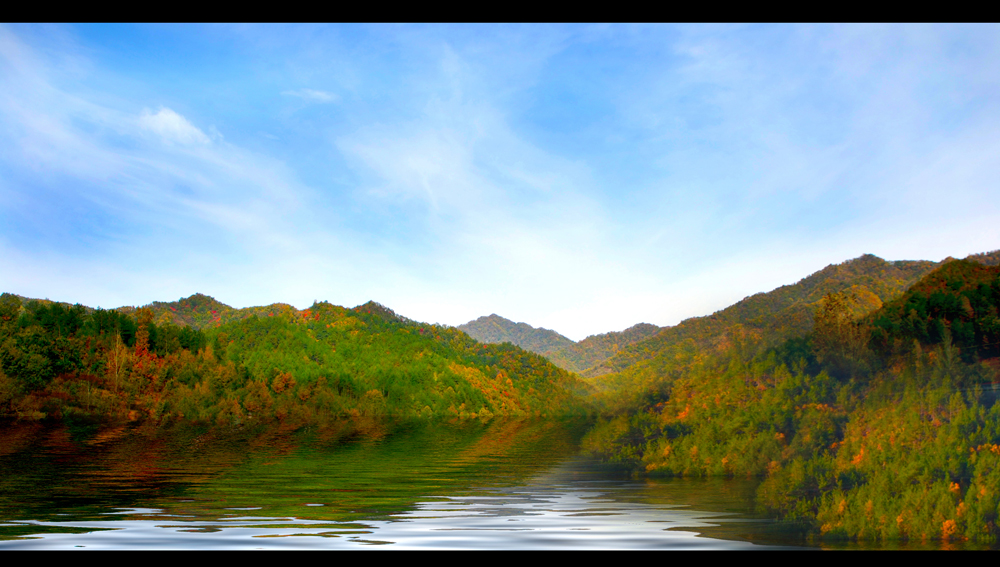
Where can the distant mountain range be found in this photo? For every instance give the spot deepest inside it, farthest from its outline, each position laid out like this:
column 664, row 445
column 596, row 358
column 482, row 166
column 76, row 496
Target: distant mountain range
column 563, row 352
column 784, row 312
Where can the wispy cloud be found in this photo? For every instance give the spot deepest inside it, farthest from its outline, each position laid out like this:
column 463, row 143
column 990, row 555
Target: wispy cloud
column 581, row 178
column 313, row 95
column 172, row 127
column 185, row 211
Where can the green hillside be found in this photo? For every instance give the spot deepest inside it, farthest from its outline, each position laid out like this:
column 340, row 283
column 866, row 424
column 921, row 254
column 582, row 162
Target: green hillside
column 325, row 365
column 957, row 302
column 784, row 312
column 594, row 350
column 873, row 426
column 202, row 311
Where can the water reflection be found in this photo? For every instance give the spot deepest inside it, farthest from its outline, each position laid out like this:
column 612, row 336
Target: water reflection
column 508, row 486
column 553, row 511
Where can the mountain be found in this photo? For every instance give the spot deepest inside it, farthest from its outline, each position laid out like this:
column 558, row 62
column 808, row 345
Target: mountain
column 784, row 312
column 370, row 354
column 197, row 311
column 563, row 352
column 495, row 329
column 781, row 313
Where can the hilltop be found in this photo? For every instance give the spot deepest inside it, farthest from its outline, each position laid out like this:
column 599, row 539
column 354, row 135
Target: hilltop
column 495, row 329
column 782, row 313
column 202, row 311
column 563, row 352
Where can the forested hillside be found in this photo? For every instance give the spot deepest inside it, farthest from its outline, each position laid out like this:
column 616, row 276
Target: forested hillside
column 784, row 312
column 987, row 258
column 956, row 302
column 325, row 365
column 594, row 350
column 201, row 311
column 882, row 425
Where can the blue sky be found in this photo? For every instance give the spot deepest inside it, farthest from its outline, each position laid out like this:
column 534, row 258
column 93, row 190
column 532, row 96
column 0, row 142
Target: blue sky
column 581, row 178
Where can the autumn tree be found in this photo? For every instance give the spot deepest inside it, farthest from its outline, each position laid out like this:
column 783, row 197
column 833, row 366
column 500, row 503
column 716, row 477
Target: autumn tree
column 145, row 317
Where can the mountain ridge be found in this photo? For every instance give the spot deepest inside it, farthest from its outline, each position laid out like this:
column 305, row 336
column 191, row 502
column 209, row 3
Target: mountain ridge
column 562, row 351
column 787, row 309
column 784, row 311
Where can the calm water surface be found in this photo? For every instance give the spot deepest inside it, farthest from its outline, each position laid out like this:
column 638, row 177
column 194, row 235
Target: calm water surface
column 505, row 486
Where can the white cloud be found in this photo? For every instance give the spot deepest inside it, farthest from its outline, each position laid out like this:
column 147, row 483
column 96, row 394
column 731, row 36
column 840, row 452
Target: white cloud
column 313, row 95
column 172, row 127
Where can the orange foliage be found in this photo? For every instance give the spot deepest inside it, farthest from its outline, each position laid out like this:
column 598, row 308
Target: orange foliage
column 948, row 529
column 859, row 457
column 283, row 382
column 684, row 414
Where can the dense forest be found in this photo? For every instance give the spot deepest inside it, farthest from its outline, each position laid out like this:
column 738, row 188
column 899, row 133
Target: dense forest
column 325, row 365
column 863, row 397
column 877, row 424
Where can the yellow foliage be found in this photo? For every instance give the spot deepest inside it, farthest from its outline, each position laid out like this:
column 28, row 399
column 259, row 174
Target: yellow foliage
column 491, row 389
